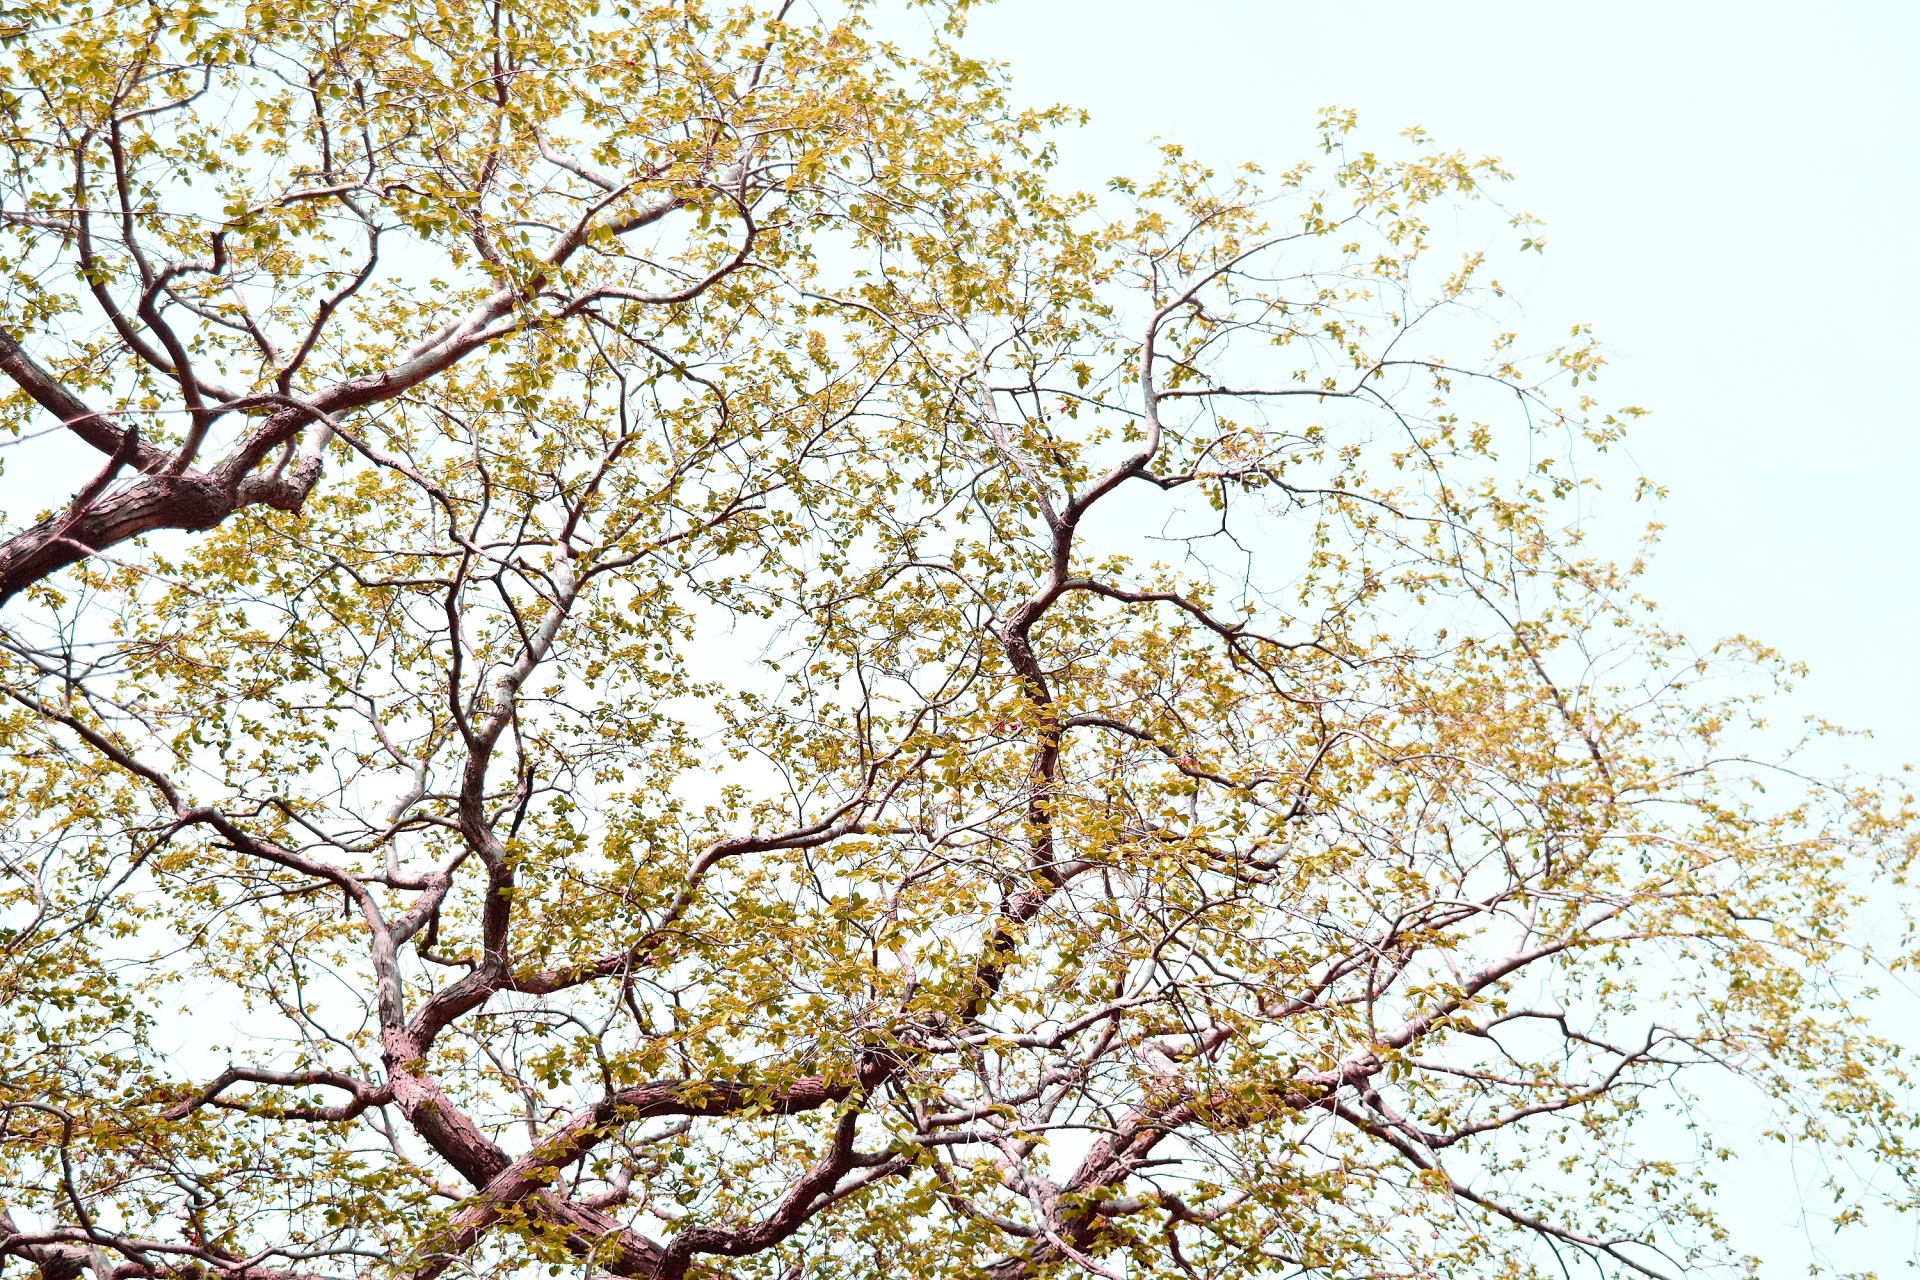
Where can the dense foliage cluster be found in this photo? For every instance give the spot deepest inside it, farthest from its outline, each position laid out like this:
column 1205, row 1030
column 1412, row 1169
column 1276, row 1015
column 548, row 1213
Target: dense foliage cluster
column 663, row 660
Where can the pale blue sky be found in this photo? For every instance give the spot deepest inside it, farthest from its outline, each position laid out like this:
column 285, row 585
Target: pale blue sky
column 1728, row 193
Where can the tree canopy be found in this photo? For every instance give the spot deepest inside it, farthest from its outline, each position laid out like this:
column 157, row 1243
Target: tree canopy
column 664, row 658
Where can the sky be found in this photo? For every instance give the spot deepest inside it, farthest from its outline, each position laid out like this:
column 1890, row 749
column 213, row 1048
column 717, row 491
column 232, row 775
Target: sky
column 1727, row 192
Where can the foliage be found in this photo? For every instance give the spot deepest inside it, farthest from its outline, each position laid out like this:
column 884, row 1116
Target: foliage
column 836, row 709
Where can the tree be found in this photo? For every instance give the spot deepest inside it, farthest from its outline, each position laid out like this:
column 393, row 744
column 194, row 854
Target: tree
column 912, row 721
column 214, row 206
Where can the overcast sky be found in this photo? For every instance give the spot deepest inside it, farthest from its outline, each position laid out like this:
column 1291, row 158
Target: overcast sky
column 1728, row 190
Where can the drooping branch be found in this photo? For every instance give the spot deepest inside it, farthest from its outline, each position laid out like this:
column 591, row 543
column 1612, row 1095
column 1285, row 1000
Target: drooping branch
column 174, row 495
column 50, row 394
column 362, row 1095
